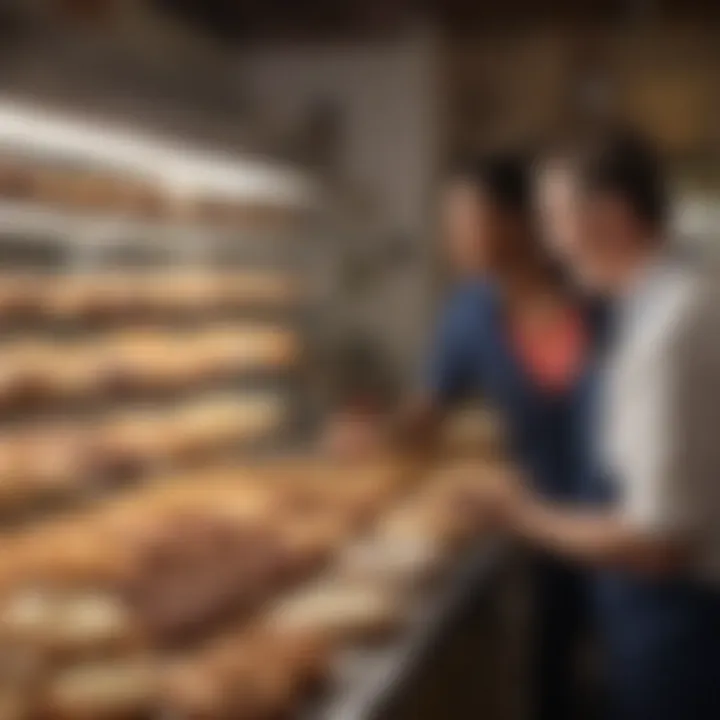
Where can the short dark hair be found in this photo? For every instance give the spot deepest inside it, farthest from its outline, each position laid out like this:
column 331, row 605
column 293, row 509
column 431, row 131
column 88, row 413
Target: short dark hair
column 624, row 163
column 505, row 177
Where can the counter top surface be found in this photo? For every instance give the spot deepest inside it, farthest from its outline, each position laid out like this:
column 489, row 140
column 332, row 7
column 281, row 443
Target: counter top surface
column 369, row 680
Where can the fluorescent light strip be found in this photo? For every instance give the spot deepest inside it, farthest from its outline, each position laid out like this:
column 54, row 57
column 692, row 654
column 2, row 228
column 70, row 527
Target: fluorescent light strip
column 179, row 168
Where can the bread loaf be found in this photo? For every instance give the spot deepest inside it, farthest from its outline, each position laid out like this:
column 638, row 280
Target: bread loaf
column 342, row 611
column 108, row 690
column 68, row 624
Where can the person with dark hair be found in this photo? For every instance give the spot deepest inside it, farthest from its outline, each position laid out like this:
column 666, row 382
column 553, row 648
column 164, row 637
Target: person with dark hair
column 512, row 331
column 622, row 173
column 650, row 521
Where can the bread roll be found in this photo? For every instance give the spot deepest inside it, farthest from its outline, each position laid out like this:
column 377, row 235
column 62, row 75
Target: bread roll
column 21, row 296
column 249, row 347
column 14, row 704
column 248, row 288
column 68, row 623
column 107, row 690
column 56, row 454
column 184, row 292
column 94, row 621
column 132, row 441
column 193, row 691
column 473, row 433
column 16, row 180
column 27, row 371
column 70, row 554
column 250, row 675
column 94, row 297
column 398, row 561
column 77, row 371
column 28, row 617
column 341, row 611
column 220, row 421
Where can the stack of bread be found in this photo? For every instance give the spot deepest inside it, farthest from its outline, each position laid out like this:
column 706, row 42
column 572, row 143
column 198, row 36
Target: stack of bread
column 49, row 371
column 85, row 191
column 356, row 599
column 118, row 296
column 228, row 593
column 60, row 458
column 78, row 190
column 118, row 374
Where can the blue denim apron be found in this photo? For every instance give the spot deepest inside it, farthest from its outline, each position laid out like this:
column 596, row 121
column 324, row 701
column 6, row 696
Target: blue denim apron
column 659, row 639
column 547, row 435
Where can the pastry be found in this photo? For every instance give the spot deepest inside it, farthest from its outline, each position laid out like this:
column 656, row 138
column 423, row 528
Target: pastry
column 341, row 611
column 106, row 690
column 67, row 623
column 397, row 561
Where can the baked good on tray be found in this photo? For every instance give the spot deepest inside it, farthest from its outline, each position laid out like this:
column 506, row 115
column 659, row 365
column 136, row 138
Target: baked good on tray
column 249, row 675
column 68, row 623
column 113, row 690
column 339, row 610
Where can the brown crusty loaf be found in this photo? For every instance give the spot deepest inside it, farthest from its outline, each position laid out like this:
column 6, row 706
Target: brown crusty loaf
column 46, row 370
column 116, row 296
column 249, row 675
column 62, row 459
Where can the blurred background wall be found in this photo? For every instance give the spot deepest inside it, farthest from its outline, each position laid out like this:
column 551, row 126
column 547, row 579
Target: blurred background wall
column 365, row 116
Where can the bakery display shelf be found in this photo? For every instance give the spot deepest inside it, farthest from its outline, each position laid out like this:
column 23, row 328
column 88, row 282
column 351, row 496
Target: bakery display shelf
column 269, row 562
column 142, row 528
column 50, row 372
column 82, row 229
column 108, row 310
column 69, row 305
column 36, row 222
column 133, row 388
column 36, row 410
column 178, row 320
column 63, row 464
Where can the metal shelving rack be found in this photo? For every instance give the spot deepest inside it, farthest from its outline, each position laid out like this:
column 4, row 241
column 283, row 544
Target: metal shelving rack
column 53, row 240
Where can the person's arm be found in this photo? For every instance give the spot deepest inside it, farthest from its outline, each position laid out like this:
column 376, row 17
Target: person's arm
column 658, row 521
column 418, row 421
column 595, row 537
column 447, row 375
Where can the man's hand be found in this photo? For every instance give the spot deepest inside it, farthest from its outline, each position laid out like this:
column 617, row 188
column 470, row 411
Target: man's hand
column 413, row 429
column 598, row 537
column 354, row 436
column 504, row 497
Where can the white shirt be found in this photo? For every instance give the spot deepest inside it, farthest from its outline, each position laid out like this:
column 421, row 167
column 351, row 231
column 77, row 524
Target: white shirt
column 660, row 420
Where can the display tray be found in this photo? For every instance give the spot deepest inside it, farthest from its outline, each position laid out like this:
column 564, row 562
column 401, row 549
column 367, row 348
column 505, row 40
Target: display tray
column 374, row 597
column 390, row 681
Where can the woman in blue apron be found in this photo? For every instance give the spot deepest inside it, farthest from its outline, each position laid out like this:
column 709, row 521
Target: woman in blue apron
column 513, row 332
column 651, row 503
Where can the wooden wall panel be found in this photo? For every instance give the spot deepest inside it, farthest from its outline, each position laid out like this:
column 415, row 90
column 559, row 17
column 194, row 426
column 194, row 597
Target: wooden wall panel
column 508, row 88
column 523, row 85
column 668, row 83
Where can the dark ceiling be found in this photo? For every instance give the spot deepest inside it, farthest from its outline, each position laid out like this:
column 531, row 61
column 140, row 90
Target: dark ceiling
column 246, row 19
column 249, row 19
